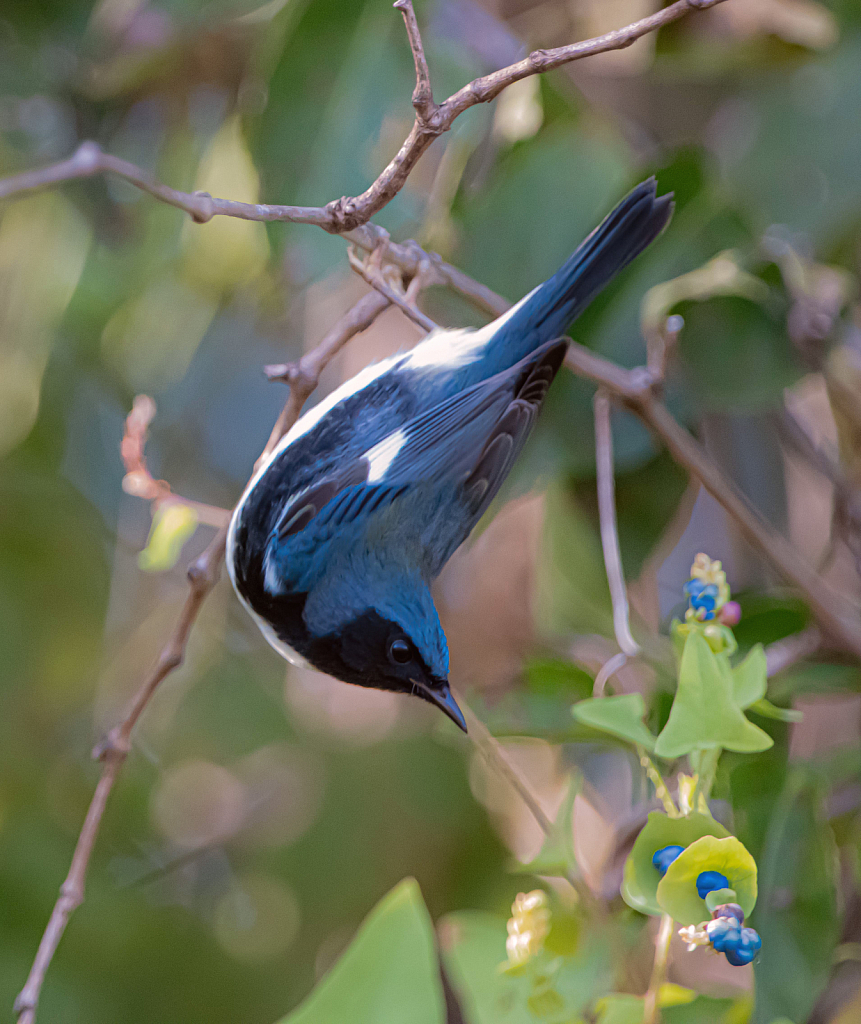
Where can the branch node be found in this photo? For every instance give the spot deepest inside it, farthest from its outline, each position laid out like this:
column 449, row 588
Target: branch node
column 204, row 208
column 423, row 101
column 115, row 745
column 344, row 215
column 203, row 572
column 72, row 892
column 25, row 1002
column 88, row 156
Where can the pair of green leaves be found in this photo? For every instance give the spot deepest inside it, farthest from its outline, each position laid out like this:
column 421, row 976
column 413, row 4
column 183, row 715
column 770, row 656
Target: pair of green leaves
column 707, row 712
column 708, row 846
column 708, row 709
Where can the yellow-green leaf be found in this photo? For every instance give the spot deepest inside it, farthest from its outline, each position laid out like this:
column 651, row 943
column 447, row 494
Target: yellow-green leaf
column 641, row 878
column 620, row 716
column 172, row 525
column 750, row 678
column 389, row 974
column 677, row 891
column 704, row 715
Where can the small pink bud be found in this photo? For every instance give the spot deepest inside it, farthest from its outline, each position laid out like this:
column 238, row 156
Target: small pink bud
column 730, row 614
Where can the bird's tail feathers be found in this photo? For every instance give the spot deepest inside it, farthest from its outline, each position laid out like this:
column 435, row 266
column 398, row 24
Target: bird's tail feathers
column 638, row 219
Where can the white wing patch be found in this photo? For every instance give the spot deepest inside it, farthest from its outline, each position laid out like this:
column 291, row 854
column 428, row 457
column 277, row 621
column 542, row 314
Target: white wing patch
column 272, row 582
column 443, row 349
column 383, row 454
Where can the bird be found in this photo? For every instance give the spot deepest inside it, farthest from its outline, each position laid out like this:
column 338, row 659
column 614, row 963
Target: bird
column 343, row 528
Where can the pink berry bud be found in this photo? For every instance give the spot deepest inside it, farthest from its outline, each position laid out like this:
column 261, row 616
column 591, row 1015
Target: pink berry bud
column 730, row 614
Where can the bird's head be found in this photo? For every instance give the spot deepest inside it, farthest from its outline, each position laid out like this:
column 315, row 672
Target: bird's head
column 381, row 629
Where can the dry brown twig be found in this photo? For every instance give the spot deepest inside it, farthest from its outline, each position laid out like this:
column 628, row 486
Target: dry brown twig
column 386, row 280
column 202, row 576
column 432, row 120
column 303, row 376
column 138, row 480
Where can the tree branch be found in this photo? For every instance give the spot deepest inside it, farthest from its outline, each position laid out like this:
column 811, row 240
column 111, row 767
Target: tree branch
column 783, row 654
column 636, row 388
column 304, row 376
column 138, row 480
column 202, row 575
column 350, row 212
column 373, row 274
column 423, row 93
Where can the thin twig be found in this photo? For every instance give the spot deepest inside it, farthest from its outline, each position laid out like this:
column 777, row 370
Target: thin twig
column 304, row 376
column 497, row 760
column 202, row 575
column 432, row 120
column 423, row 93
column 635, row 388
column 610, row 540
column 138, row 480
column 606, row 672
column 371, row 272
column 651, row 1012
column 847, row 498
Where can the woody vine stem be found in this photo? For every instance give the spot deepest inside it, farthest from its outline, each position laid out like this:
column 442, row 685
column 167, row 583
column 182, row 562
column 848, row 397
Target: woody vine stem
column 396, row 272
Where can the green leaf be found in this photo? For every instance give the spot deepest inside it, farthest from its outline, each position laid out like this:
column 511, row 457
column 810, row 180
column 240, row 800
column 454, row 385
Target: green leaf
column 641, row 878
column 750, row 678
column 677, row 891
column 388, row 975
column 172, row 525
column 620, row 716
column 556, row 857
column 768, row 710
column 704, row 714
column 620, row 1009
column 717, row 898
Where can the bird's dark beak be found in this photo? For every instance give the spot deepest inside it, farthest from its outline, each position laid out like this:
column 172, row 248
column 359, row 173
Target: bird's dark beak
column 442, row 698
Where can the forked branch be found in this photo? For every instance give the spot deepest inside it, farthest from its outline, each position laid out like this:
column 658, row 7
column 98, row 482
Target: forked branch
column 432, row 120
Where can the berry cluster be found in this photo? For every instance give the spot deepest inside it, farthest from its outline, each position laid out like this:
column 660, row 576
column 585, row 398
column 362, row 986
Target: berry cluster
column 725, row 932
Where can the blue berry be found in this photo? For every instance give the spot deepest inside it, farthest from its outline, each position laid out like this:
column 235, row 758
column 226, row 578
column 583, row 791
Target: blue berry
column 729, row 910
column 702, row 596
column 710, row 881
column 724, row 933
column 749, row 944
column 662, row 859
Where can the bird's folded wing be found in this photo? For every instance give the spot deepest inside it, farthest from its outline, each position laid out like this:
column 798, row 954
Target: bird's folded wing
column 470, row 440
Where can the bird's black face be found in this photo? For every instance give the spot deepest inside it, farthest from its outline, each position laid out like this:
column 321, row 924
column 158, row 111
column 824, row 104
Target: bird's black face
column 371, row 651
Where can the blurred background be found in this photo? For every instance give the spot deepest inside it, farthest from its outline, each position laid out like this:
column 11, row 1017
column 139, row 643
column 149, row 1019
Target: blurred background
column 263, row 813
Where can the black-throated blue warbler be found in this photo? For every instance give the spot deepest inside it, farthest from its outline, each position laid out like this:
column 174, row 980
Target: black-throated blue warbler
column 335, row 543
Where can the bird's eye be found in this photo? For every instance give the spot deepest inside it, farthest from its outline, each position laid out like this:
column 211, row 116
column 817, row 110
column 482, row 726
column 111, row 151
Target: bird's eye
column 400, row 652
